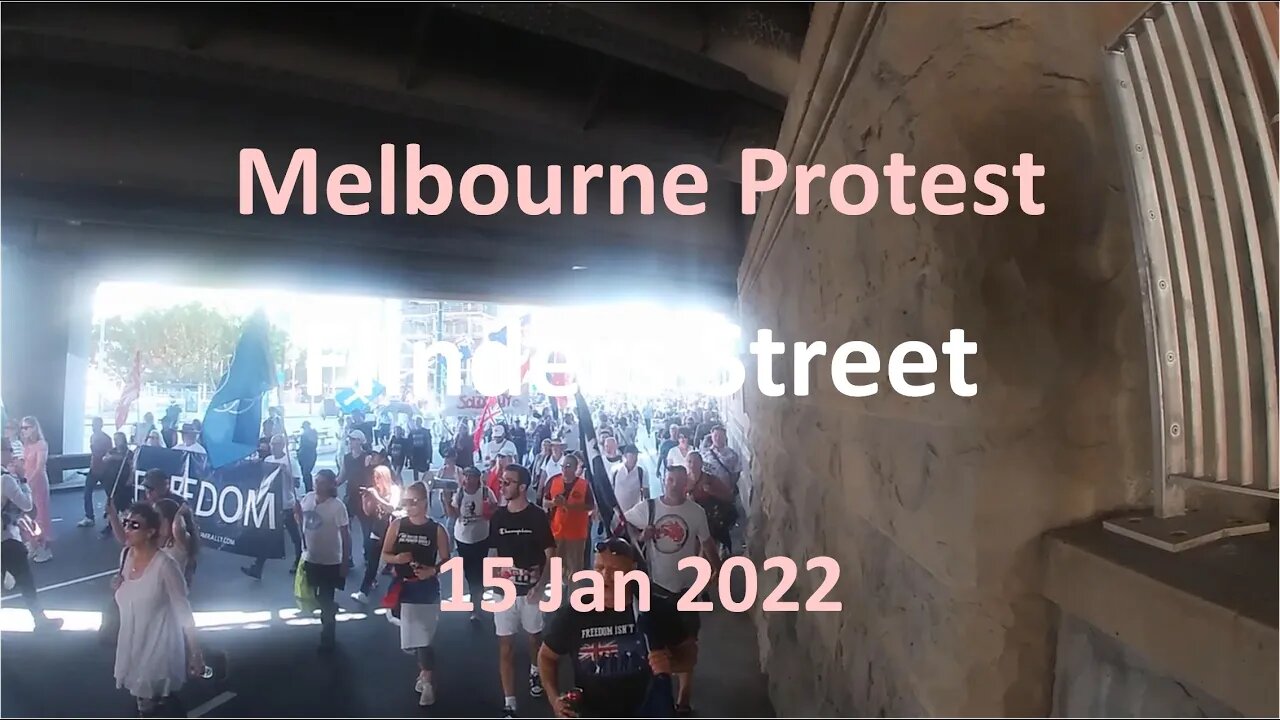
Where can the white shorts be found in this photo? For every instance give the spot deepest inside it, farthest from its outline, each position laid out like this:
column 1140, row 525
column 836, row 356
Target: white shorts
column 418, row 625
column 524, row 612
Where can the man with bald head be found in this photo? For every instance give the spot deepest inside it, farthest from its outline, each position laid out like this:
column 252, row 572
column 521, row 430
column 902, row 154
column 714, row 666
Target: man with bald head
column 286, row 480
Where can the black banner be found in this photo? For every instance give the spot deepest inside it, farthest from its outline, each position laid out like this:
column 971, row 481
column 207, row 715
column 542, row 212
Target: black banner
column 238, row 507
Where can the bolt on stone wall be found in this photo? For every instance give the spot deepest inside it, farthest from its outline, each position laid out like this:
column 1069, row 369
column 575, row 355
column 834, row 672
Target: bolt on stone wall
column 934, row 506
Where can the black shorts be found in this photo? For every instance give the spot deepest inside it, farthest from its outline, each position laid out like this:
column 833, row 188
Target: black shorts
column 420, row 461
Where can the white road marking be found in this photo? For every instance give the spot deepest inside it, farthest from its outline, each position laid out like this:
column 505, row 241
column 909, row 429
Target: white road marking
column 221, row 699
column 55, row 586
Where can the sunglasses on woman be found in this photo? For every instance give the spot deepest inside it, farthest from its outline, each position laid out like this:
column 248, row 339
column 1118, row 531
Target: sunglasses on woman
column 132, row 524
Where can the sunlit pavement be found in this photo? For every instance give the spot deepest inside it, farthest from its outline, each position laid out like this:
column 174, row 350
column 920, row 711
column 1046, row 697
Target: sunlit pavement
column 274, row 669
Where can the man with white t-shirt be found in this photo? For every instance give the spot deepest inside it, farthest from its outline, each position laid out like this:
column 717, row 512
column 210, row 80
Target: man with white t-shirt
column 672, row 528
column 498, row 445
column 327, row 556
column 630, row 484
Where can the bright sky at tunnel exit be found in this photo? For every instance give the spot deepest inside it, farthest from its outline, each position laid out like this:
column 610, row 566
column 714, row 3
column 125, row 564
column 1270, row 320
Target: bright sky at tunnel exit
column 641, row 348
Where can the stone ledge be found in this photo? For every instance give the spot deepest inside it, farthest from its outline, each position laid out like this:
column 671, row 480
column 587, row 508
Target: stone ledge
column 1206, row 616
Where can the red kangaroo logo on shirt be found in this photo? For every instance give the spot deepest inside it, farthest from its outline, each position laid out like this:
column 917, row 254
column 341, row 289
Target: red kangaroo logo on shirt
column 673, row 531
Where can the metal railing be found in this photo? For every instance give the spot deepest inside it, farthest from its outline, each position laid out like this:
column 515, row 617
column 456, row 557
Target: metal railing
column 1193, row 90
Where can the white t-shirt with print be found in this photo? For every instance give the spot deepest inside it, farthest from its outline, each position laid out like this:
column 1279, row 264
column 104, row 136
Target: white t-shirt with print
column 322, row 523
column 681, row 531
column 472, row 526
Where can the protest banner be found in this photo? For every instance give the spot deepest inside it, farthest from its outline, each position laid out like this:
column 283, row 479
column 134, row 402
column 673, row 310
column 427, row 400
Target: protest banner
column 237, row 506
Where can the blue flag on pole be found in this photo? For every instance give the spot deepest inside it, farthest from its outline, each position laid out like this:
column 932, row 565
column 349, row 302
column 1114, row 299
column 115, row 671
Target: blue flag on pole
column 234, row 418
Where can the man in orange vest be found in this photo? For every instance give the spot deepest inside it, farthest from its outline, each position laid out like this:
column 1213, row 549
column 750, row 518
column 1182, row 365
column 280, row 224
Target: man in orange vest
column 568, row 501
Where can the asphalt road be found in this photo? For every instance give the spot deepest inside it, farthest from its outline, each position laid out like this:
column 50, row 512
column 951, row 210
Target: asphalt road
column 274, row 668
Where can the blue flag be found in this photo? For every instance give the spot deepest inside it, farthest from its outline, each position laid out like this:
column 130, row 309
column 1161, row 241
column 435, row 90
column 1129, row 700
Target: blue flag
column 233, row 421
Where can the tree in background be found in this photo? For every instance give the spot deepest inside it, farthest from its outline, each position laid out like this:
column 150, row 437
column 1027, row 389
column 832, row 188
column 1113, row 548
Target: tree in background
column 183, row 344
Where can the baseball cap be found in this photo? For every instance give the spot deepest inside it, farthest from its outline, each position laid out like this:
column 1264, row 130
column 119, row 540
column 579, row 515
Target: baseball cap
column 357, row 435
column 499, row 431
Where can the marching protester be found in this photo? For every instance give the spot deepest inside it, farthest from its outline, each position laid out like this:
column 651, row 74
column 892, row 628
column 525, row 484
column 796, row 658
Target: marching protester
column 493, row 477
column 35, row 457
column 120, row 480
column 465, row 444
column 420, row 449
column 356, row 474
column 99, row 447
column 14, row 558
column 380, row 502
column 665, row 446
column 499, row 445
column 618, row 653
column 416, row 546
column 398, row 452
column 308, row 449
column 520, row 439
column 715, row 497
column 445, row 480
column 612, row 456
column 190, row 440
column 672, row 528
column 721, row 460
column 520, row 532
column 547, row 465
column 471, row 509
column 679, row 455
column 157, row 648
column 277, row 456
column 327, row 553
column 630, row 485
column 143, row 430
column 569, row 501
column 173, row 536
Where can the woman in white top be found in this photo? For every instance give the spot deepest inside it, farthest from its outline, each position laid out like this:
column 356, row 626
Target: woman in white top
column 471, row 509
column 157, row 648
column 679, row 455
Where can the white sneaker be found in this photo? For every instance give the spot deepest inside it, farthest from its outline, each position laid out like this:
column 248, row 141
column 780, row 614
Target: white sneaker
column 85, row 522
column 427, row 696
column 360, row 597
column 42, row 555
column 9, row 581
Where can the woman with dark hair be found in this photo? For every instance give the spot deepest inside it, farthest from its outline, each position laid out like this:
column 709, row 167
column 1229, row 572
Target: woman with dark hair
column 157, row 649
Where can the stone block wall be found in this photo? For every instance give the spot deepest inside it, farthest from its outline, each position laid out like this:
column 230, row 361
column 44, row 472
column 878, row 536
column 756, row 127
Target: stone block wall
column 934, row 506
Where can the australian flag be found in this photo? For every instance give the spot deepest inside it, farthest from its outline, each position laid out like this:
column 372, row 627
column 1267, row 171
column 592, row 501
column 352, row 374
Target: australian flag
column 234, row 418
column 597, row 474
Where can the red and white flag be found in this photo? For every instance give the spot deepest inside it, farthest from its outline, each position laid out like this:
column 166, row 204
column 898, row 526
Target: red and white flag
column 132, row 389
